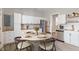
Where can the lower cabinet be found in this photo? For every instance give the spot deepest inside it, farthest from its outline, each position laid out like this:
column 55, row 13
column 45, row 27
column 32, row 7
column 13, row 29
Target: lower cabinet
column 71, row 37
column 67, row 37
column 75, row 38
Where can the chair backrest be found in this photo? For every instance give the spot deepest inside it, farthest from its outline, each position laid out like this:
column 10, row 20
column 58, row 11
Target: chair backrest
column 48, row 41
column 17, row 40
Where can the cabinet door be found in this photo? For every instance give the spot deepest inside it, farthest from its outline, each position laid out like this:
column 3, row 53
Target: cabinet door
column 75, row 38
column 27, row 19
column 67, row 37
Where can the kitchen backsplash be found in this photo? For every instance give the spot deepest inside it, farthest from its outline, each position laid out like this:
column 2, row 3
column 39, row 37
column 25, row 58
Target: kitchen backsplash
column 72, row 26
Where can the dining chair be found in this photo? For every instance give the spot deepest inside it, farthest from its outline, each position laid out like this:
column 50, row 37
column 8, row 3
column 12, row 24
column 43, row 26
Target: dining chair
column 22, row 44
column 47, row 45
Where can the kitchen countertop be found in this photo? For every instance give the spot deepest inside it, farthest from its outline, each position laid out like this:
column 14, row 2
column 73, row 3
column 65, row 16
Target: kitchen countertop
column 59, row 30
column 71, row 30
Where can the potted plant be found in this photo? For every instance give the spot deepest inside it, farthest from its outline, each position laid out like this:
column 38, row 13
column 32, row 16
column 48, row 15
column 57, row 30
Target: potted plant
column 36, row 29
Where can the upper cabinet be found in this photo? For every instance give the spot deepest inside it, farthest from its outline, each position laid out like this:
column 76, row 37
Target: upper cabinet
column 61, row 19
column 27, row 19
column 30, row 20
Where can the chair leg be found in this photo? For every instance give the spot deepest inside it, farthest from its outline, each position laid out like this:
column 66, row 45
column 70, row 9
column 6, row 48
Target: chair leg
column 21, row 45
column 31, row 47
column 54, row 47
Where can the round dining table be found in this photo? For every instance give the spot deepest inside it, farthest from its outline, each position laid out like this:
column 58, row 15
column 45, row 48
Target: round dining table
column 35, row 39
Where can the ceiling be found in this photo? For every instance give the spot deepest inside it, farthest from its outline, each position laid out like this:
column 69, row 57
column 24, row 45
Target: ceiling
column 44, row 11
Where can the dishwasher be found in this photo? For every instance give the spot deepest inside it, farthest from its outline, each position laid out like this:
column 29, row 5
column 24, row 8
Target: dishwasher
column 60, row 35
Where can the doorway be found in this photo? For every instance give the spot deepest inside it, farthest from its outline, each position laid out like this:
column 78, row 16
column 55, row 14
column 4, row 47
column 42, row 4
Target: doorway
column 53, row 23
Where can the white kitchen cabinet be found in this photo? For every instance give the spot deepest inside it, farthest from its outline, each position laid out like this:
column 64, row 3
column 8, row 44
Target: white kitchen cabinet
column 71, row 37
column 67, row 36
column 75, row 38
column 30, row 20
column 27, row 19
column 60, row 19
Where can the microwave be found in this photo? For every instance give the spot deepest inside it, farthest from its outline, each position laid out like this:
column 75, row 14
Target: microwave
column 61, row 27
